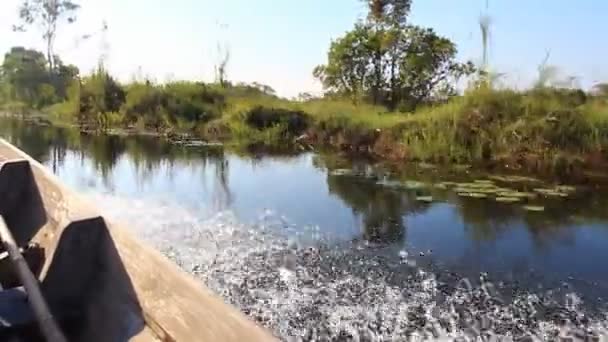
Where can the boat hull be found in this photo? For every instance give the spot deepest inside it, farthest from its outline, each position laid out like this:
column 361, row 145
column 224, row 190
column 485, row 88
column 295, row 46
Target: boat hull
column 102, row 282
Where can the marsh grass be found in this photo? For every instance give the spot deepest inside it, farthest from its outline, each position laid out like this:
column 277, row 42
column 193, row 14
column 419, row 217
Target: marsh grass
column 556, row 126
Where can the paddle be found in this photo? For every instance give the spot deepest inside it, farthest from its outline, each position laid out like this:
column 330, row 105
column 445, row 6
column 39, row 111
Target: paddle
column 43, row 315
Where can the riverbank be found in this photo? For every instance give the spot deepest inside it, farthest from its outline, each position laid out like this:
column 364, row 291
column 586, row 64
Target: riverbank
column 545, row 130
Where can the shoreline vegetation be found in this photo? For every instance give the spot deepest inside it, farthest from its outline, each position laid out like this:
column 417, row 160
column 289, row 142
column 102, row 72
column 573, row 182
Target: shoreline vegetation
column 393, row 91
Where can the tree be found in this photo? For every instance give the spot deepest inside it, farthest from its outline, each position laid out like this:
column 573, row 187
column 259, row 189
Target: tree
column 547, row 74
column 221, row 69
column 427, row 61
column 47, row 14
column 63, row 76
column 400, row 66
column 26, row 79
column 348, row 64
column 24, row 71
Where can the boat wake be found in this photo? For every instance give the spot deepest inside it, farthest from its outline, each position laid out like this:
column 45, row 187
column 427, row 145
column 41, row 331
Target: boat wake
column 306, row 291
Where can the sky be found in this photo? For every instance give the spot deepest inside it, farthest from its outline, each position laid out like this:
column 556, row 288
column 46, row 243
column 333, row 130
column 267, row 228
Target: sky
column 279, row 42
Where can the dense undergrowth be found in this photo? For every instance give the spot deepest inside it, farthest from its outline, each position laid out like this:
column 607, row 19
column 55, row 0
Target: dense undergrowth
column 544, row 127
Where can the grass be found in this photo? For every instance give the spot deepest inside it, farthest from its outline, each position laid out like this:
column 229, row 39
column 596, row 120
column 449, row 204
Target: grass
column 557, row 128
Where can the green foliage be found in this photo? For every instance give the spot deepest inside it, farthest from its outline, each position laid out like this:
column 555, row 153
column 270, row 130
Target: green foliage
column 25, row 78
column 492, row 124
column 160, row 107
column 98, row 96
column 388, row 62
column 261, row 118
column 24, row 72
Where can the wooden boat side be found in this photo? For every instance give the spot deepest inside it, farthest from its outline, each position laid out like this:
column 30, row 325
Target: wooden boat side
column 127, row 290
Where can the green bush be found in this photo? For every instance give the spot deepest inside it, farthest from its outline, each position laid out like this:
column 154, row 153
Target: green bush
column 294, row 121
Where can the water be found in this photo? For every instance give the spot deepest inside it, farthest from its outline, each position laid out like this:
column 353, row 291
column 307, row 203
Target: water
column 311, row 254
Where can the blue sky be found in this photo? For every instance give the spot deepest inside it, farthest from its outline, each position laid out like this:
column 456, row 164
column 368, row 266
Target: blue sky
column 279, row 42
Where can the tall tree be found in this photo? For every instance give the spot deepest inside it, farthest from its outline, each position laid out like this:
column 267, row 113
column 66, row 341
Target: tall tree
column 47, row 15
column 24, row 71
column 221, row 69
column 401, row 66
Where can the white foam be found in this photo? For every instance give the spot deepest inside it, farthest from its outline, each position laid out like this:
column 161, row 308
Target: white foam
column 309, row 294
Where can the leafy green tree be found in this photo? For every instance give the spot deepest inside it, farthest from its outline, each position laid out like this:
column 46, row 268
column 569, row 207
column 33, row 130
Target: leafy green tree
column 47, row 15
column 24, row 71
column 395, row 66
column 427, row 61
column 348, row 64
column 63, row 76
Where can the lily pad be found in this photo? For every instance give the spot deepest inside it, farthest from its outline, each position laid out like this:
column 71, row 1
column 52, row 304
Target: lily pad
column 550, row 193
column 449, row 184
column 427, row 199
column 477, row 195
column 513, row 179
column 390, row 183
column 427, row 166
column 413, row 185
column 487, row 191
column 342, row 172
column 565, row 189
column 508, row 199
column 472, row 195
column 460, row 190
column 470, row 185
column 535, row 208
column 516, row 194
column 461, row 167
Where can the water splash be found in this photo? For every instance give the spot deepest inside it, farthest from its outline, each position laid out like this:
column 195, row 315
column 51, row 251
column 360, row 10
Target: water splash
column 313, row 292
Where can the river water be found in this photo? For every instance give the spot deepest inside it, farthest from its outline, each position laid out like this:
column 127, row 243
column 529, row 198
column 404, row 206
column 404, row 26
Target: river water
column 321, row 247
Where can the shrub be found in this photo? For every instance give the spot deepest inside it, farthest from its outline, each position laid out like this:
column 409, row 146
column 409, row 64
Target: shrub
column 294, row 122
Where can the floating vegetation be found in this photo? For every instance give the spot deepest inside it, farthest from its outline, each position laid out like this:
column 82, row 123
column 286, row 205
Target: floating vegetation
column 390, row 183
column 477, row 185
column 508, row 199
column 342, row 172
column 551, row 193
column 441, row 186
column 427, row 199
column 448, row 184
column 413, row 185
column 534, row 208
column 565, row 189
column 461, row 167
column 427, row 166
column 516, row 194
column 472, row 194
column 513, row 179
column 477, row 195
column 489, row 191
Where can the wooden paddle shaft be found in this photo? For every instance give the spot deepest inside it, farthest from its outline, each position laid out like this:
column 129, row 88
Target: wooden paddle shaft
column 43, row 315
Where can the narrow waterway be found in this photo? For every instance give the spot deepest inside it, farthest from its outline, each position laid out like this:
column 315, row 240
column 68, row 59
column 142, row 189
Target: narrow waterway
column 318, row 246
